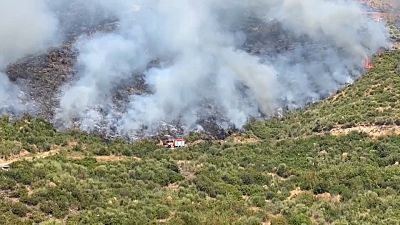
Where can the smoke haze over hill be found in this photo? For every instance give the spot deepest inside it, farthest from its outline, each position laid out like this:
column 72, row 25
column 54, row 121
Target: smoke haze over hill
column 230, row 60
column 26, row 27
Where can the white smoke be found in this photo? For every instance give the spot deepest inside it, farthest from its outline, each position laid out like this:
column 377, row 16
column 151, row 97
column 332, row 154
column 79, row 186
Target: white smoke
column 230, row 60
column 10, row 97
column 204, row 69
column 26, row 27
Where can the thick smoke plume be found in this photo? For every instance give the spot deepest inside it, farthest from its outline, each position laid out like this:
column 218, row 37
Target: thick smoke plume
column 220, row 59
column 204, row 68
column 26, row 27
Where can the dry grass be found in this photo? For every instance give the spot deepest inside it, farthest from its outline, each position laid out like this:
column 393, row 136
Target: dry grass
column 326, row 197
column 188, row 169
column 370, row 130
column 244, row 139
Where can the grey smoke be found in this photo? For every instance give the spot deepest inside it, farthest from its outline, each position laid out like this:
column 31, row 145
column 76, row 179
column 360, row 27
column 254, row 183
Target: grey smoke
column 230, row 60
column 204, row 68
column 26, row 27
column 31, row 27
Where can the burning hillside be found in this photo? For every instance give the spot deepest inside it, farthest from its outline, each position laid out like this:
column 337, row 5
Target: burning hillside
column 128, row 67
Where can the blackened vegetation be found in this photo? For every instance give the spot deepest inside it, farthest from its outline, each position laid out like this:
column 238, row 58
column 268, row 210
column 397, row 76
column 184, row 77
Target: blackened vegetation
column 266, row 38
column 44, row 75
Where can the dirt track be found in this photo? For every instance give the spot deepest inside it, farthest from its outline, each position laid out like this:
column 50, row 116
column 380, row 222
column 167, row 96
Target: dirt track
column 74, row 156
column 29, row 156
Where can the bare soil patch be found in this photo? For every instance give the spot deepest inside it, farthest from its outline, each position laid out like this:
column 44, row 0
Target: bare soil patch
column 371, row 130
column 326, row 197
column 244, row 139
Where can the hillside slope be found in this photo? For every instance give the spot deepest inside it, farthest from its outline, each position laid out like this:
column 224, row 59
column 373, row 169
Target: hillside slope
column 299, row 169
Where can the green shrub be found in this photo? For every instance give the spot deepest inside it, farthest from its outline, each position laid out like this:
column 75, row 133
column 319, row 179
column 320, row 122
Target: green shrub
column 299, row 219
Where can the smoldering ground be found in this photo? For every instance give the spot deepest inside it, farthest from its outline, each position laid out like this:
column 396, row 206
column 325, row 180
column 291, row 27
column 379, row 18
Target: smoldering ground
column 228, row 60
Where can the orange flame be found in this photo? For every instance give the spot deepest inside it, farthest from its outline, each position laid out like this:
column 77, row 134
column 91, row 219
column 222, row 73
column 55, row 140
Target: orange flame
column 368, row 64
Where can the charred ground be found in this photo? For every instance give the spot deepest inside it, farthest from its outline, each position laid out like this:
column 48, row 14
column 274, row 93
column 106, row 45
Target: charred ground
column 43, row 76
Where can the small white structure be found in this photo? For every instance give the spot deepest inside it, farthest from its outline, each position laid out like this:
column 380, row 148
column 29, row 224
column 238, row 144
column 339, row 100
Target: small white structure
column 172, row 142
column 179, row 143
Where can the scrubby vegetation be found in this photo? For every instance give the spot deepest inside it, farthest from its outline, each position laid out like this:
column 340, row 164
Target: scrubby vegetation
column 372, row 100
column 394, row 32
column 293, row 171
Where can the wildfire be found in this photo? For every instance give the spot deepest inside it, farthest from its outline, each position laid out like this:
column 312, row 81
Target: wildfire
column 368, row 64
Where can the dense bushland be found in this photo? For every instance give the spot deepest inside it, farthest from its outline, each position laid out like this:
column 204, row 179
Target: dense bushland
column 295, row 173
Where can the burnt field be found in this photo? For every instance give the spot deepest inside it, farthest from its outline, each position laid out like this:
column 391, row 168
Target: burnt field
column 267, row 68
column 43, row 76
